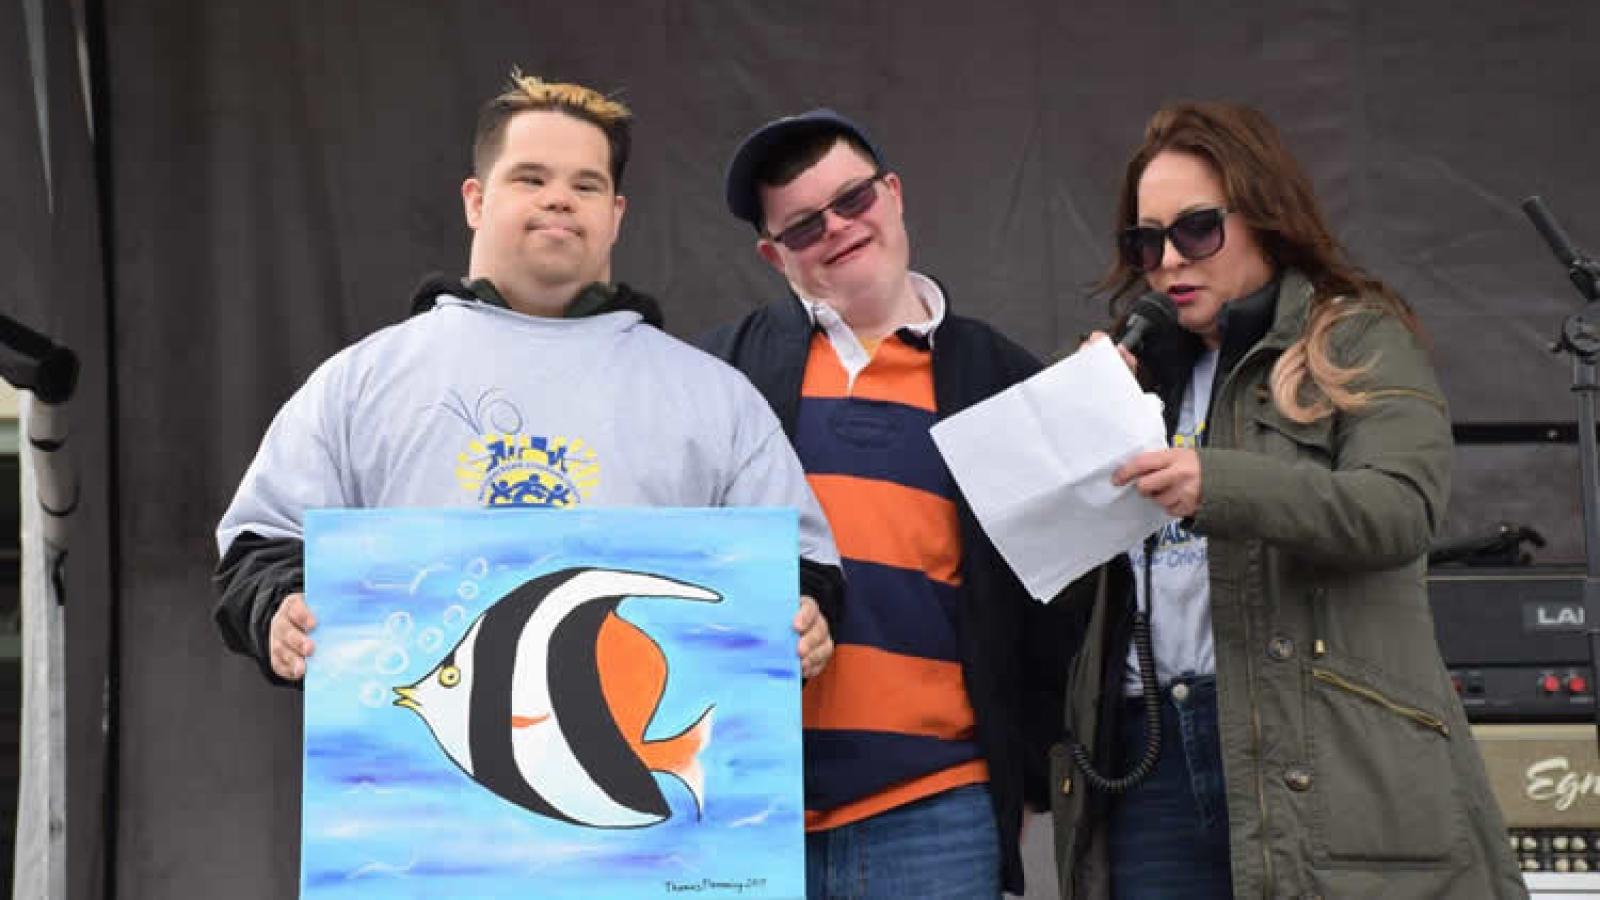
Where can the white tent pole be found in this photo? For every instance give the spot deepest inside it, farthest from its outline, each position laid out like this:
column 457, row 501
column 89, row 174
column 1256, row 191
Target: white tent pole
column 49, row 492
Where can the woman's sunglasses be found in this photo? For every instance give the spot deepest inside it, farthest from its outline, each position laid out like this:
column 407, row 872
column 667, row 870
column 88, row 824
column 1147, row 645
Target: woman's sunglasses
column 1195, row 235
column 852, row 204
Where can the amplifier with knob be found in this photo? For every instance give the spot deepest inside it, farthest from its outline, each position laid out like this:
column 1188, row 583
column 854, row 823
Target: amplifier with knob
column 1514, row 641
column 1546, row 778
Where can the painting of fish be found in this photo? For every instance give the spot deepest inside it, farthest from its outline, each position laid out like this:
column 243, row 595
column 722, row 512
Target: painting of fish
column 546, row 698
column 584, row 703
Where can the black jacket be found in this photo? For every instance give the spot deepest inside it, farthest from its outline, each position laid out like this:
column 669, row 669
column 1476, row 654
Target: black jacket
column 1014, row 651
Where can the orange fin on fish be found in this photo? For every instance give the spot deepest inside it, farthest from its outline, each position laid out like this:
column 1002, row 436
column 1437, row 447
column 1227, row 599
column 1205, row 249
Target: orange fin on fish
column 680, row 756
column 524, row 721
column 633, row 673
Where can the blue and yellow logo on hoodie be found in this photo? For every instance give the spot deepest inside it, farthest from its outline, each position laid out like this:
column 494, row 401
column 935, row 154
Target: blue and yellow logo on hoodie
column 524, row 470
column 505, row 466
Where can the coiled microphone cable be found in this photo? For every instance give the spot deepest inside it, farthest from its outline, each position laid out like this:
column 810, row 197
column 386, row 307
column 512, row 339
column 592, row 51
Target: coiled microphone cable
column 1150, row 690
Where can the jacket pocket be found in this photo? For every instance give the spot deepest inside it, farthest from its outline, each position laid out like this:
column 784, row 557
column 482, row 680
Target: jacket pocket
column 1288, row 439
column 1385, row 787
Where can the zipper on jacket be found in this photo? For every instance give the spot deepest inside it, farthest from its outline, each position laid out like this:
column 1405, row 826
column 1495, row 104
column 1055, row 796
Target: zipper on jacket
column 1229, row 382
column 1319, row 622
column 1273, row 577
column 1255, row 750
column 1425, row 719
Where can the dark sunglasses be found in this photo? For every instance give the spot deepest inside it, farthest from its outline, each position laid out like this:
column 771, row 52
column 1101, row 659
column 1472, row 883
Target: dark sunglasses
column 852, row 204
column 1195, row 235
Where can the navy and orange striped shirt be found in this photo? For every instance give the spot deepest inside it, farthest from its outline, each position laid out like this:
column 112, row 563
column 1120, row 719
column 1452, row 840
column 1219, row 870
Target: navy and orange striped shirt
column 888, row 721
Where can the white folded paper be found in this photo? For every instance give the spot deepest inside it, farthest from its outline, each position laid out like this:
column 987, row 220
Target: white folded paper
column 1035, row 463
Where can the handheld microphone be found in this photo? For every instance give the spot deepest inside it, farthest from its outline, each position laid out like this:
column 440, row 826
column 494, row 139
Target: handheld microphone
column 1151, row 311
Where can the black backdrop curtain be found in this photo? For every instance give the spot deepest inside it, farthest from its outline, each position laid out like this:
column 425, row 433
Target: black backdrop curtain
column 279, row 175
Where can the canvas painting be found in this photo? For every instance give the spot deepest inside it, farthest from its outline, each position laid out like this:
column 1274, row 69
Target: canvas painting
column 552, row 703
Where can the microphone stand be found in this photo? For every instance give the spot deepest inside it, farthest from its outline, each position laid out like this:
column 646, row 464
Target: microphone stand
column 1580, row 337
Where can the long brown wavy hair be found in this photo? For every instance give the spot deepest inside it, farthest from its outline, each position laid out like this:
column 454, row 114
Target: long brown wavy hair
column 1267, row 187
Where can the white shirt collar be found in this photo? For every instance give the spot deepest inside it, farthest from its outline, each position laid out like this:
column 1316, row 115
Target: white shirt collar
column 927, row 290
column 852, row 355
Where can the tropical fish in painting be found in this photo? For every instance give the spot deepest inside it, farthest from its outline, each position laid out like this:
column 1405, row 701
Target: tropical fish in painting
column 546, row 699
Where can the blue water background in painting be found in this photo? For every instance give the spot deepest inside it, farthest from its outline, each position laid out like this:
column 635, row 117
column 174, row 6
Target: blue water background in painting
column 388, row 814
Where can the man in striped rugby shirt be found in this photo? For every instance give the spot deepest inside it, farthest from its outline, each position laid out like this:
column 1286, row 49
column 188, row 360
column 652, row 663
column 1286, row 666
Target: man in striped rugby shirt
column 917, row 735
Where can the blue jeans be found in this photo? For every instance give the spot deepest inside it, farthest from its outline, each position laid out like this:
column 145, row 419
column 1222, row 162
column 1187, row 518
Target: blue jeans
column 941, row 846
column 1169, row 835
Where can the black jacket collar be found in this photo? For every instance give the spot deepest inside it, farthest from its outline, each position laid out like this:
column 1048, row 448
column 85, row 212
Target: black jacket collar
column 1170, row 353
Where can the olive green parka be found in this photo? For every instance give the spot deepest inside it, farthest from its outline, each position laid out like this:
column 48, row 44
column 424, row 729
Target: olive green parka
column 1350, row 769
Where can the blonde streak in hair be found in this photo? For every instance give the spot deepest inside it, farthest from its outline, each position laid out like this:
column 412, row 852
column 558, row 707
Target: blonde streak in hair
column 1309, row 356
column 1288, row 374
column 610, row 110
column 1331, row 377
column 589, row 100
column 530, row 86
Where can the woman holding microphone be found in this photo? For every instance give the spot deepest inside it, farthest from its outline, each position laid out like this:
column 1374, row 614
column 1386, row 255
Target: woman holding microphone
column 1259, row 709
